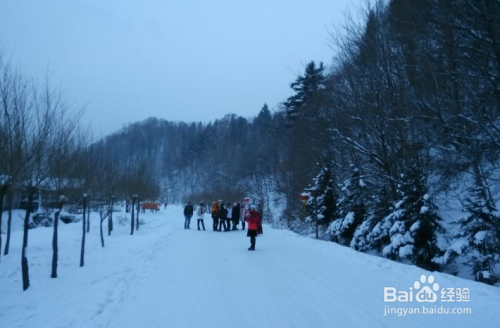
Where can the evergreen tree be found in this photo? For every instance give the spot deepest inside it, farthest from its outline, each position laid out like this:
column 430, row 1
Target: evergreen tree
column 265, row 117
column 413, row 225
column 478, row 239
column 326, row 196
column 307, row 91
column 352, row 209
column 379, row 206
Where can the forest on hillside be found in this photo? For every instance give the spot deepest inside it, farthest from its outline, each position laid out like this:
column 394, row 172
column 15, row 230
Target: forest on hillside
column 403, row 122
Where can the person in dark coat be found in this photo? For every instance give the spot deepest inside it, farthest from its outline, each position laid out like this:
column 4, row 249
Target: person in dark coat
column 253, row 219
column 236, row 215
column 188, row 214
column 222, row 216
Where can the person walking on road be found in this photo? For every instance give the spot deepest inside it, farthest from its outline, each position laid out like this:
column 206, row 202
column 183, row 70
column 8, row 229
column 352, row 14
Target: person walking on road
column 253, row 219
column 201, row 215
column 188, row 213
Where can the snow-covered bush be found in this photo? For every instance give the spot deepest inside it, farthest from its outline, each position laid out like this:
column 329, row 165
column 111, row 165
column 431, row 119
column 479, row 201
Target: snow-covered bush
column 123, row 219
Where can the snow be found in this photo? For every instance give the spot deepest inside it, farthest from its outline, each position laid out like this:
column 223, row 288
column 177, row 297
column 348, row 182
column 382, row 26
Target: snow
column 424, row 209
column 415, row 226
column 398, row 226
column 479, row 236
column 396, row 241
column 348, row 220
column 166, row 276
column 4, row 178
column 17, row 220
column 457, row 247
column 406, row 251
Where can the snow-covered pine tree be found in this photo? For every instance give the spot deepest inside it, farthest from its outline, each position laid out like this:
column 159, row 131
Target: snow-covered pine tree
column 413, row 226
column 351, row 208
column 478, row 239
column 326, row 196
column 379, row 207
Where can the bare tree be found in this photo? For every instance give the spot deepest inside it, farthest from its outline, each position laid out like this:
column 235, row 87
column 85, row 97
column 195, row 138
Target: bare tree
column 63, row 169
column 15, row 102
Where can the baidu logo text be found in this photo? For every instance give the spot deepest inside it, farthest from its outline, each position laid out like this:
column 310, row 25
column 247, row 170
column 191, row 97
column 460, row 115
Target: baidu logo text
column 422, row 291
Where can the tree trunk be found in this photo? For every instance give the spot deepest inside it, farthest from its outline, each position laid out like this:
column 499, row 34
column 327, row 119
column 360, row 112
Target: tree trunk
column 9, row 224
column 102, row 236
column 55, row 250
column 132, row 221
column 110, row 219
column 82, row 253
column 88, row 218
column 2, row 194
column 24, row 259
column 137, row 220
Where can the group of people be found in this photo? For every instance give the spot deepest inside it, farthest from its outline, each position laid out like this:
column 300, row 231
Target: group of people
column 226, row 217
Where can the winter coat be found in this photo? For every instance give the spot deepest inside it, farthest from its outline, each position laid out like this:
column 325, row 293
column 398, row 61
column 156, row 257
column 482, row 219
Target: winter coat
column 188, row 210
column 253, row 219
column 215, row 211
column 201, row 212
column 229, row 212
column 236, row 212
column 223, row 212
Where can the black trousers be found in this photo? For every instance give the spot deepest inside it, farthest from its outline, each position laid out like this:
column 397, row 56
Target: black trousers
column 202, row 224
column 252, row 234
column 222, row 224
column 215, row 223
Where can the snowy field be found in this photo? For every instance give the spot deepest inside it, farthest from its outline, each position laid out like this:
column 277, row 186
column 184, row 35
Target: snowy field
column 166, row 276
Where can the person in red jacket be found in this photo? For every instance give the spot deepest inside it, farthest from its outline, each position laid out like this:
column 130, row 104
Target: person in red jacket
column 253, row 219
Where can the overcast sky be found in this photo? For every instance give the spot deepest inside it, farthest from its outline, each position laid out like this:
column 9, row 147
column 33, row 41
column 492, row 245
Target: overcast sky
column 181, row 60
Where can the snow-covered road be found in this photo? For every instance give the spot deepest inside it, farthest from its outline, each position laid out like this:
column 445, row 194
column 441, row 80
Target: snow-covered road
column 165, row 276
